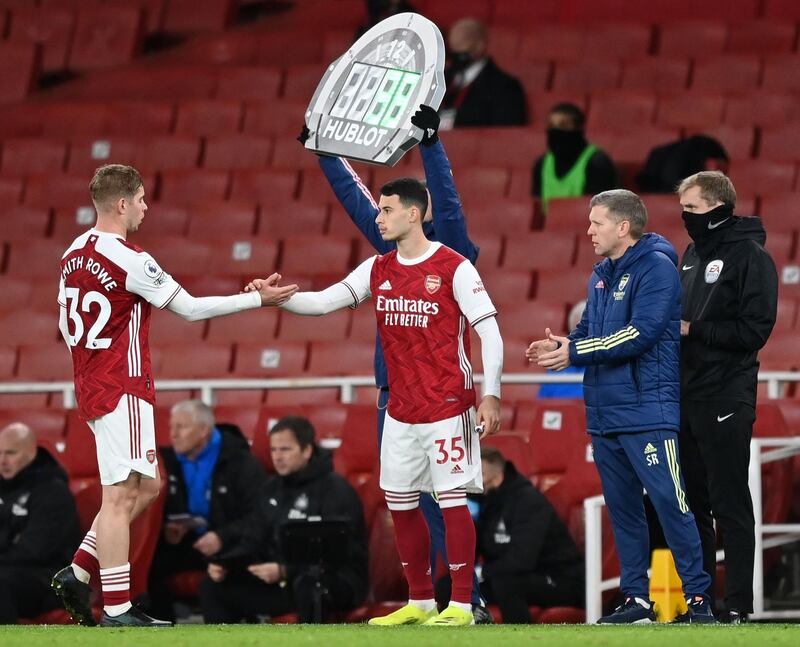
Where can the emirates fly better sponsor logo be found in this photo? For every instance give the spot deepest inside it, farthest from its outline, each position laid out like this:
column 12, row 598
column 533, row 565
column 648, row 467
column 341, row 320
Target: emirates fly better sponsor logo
column 406, row 312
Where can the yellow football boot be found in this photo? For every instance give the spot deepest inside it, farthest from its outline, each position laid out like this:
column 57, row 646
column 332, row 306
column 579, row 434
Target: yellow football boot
column 452, row 617
column 407, row 615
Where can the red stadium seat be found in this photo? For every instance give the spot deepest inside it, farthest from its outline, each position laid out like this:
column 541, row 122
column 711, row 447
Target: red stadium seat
column 781, row 350
column 692, row 38
column 525, row 14
column 19, row 70
column 206, row 285
column 105, row 37
column 782, row 73
column 190, row 361
column 590, row 10
column 782, row 9
column 24, row 223
column 444, row 14
column 762, row 37
column 237, row 151
column 168, row 328
column 290, row 155
column 274, row 117
column 314, row 187
column 10, row 190
column 302, row 397
column 249, row 83
column 48, row 424
column 515, row 448
column 507, row 146
column 586, row 76
column 553, row 41
column 336, row 42
column 8, row 361
column 33, row 156
column 181, row 255
column 222, row 219
column 56, row 190
column 498, row 216
column 315, row 254
column 279, row 219
column 45, row 362
column 270, row 358
column 618, row 40
column 50, row 27
column 787, row 314
column 691, row 110
column 738, row 140
column 616, row 111
column 245, row 256
column 198, row 15
column 153, row 10
column 534, row 75
column 762, row 176
column 557, row 432
column 777, row 211
column 659, row 75
column 35, row 258
column 529, row 319
column 569, row 215
column 634, row 144
column 184, row 186
column 335, row 358
column 780, row 245
column 507, row 286
column 481, row 182
column 250, row 326
column 733, row 72
column 302, row 80
column 560, row 286
column 246, row 418
column 539, row 250
column 762, row 109
column 331, row 327
column 219, row 49
column 780, row 143
column 209, row 117
column 264, row 186
column 489, row 248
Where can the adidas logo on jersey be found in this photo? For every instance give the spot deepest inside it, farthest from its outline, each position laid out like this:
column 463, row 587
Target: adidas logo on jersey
column 385, row 286
column 457, row 470
column 650, row 449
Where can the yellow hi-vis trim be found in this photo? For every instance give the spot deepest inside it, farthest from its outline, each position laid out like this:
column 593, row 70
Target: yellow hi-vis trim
column 675, row 471
column 604, row 343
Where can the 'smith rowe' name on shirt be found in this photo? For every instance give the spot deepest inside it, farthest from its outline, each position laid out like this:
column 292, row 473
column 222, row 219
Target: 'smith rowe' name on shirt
column 93, row 267
column 406, row 312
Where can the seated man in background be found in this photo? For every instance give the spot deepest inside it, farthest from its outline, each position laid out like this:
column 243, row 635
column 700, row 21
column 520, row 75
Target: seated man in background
column 212, row 484
column 478, row 93
column 529, row 557
column 571, row 167
column 39, row 527
column 252, row 579
column 668, row 164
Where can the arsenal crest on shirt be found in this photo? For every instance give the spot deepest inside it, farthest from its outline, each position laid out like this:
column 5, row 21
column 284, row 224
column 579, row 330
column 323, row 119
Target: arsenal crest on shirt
column 433, row 283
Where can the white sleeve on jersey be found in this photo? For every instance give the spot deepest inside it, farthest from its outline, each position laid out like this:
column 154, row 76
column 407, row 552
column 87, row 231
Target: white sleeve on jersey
column 470, row 294
column 149, row 281
column 349, row 292
column 492, row 355
column 62, row 292
column 196, row 308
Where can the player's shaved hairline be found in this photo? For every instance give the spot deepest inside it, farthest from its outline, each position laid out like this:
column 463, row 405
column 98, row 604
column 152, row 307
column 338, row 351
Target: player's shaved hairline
column 112, row 182
column 410, row 191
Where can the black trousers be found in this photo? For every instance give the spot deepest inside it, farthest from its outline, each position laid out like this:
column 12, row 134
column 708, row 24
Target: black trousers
column 715, row 455
column 243, row 597
column 168, row 560
column 25, row 593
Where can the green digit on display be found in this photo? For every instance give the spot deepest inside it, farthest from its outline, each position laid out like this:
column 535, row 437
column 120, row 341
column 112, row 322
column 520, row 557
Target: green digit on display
column 383, row 97
column 399, row 104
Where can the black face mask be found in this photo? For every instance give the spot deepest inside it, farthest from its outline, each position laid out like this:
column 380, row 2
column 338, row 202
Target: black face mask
column 702, row 226
column 565, row 144
column 460, row 61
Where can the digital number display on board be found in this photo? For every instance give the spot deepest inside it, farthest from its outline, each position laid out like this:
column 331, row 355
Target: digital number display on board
column 363, row 105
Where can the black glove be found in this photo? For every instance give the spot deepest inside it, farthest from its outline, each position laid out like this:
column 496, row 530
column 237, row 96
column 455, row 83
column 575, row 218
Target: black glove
column 427, row 119
column 304, row 135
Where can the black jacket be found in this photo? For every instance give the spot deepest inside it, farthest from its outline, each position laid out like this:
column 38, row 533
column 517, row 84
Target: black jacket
column 314, row 491
column 520, row 532
column 731, row 317
column 494, row 98
column 235, row 483
column 39, row 526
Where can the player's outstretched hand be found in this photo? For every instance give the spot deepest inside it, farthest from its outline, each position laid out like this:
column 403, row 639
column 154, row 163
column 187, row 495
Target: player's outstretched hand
column 488, row 415
column 558, row 359
column 304, row 135
column 427, row 119
column 271, row 293
column 541, row 346
column 269, row 572
column 217, row 573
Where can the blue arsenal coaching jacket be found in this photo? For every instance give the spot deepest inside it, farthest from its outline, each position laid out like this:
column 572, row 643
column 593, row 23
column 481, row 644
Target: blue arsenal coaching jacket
column 629, row 341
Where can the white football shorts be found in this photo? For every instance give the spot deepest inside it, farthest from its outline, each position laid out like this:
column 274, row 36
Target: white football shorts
column 126, row 441
column 431, row 457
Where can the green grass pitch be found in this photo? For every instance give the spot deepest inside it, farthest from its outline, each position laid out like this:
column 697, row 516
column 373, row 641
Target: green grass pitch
column 772, row 635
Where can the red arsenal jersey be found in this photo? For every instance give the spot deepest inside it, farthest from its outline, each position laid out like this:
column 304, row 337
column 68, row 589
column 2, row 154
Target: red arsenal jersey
column 107, row 286
column 423, row 307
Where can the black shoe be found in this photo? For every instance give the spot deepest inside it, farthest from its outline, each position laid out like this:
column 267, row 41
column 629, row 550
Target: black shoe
column 698, row 612
column 482, row 615
column 74, row 596
column 634, row 611
column 736, row 617
column 133, row 617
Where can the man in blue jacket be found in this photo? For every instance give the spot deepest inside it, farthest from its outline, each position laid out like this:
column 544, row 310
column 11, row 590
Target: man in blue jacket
column 444, row 223
column 629, row 341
